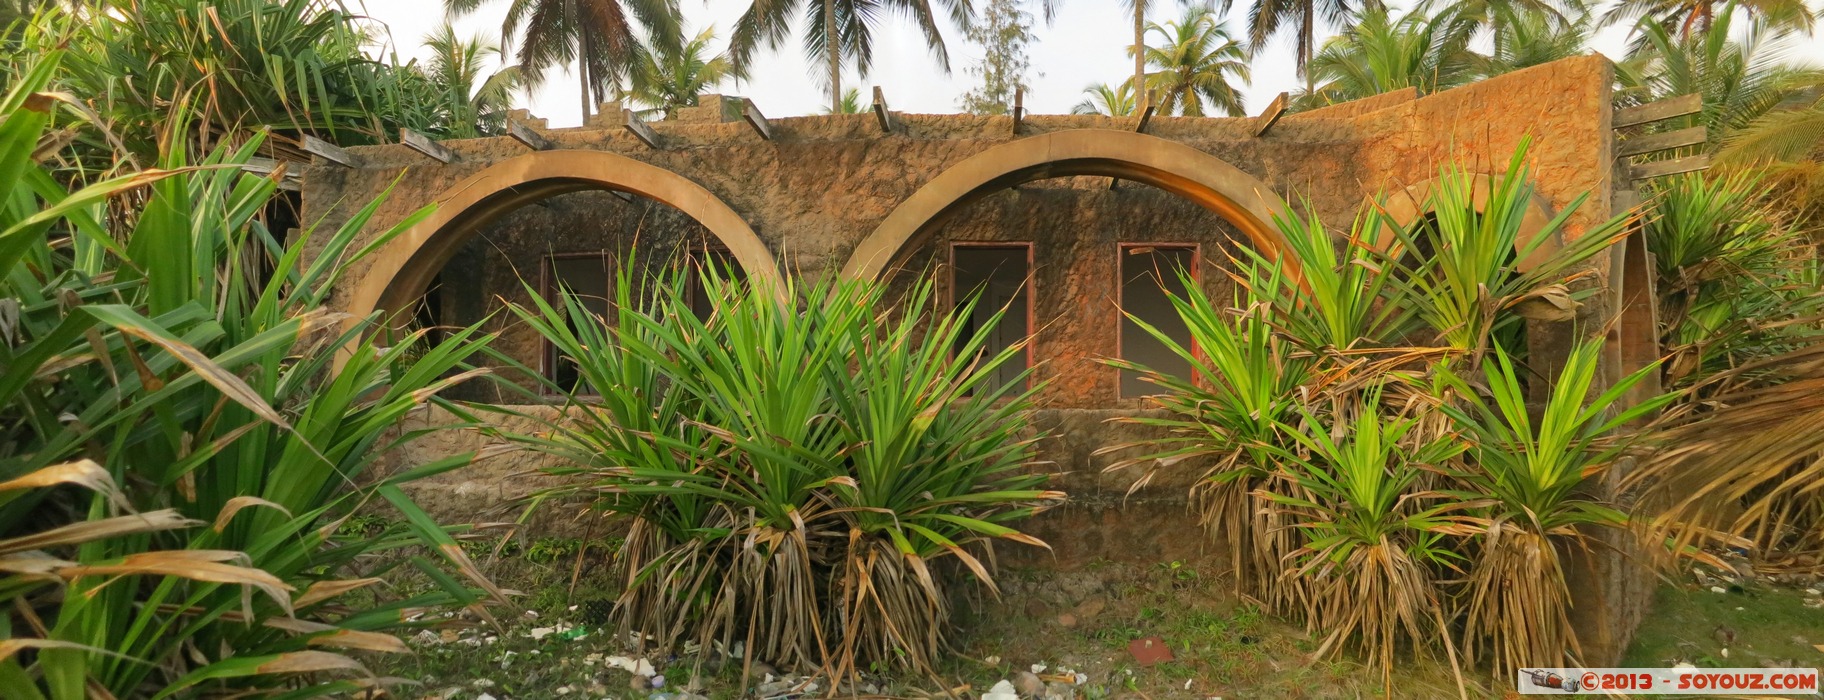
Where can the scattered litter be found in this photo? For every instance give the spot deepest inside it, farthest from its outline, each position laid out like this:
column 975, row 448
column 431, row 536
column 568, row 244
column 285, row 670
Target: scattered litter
column 532, row 614
column 1001, row 691
column 481, row 683
column 1718, row 589
column 658, row 681
column 638, row 667
column 484, row 696
column 428, row 637
column 1039, row 668
column 992, row 661
column 1187, row 683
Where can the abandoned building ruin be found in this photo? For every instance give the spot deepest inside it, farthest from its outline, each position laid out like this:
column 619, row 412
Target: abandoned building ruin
column 1060, row 217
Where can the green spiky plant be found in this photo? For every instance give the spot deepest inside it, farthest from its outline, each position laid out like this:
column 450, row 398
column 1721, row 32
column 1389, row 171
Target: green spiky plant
column 1534, row 473
column 180, row 371
column 807, row 470
column 1729, row 275
column 1479, row 280
column 1225, row 418
column 1374, row 541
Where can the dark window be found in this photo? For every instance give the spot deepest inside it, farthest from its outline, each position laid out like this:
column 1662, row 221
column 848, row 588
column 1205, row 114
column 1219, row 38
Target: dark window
column 588, row 276
column 1148, row 273
column 1000, row 274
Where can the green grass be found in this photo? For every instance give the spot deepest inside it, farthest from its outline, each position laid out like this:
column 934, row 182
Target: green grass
column 1770, row 623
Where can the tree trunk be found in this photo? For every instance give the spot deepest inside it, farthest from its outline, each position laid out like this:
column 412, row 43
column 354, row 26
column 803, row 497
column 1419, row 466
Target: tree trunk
column 832, row 45
column 582, row 57
column 1140, row 93
column 1305, row 39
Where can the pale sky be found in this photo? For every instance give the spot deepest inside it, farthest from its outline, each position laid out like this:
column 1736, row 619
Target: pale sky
column 1086, row 44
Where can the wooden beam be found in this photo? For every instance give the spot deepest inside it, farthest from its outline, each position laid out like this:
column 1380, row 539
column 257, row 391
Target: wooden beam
column 289, row 176
column 880, row 111
column 525, row 135
column 755, row 119
column 1663, row 141
column 639, row 129
column 1019, row 108
column 1660, row 110
column 1146, row 112
column 1266, row 120
column 330, row 152
column 1662, row 168
column 427, row 145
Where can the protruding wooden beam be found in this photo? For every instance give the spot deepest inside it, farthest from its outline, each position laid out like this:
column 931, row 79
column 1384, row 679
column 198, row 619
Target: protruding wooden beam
column 1662, row 141
column 525, row 135
column 639, row 129
column 880, row 111
column 1660, row 110
column 754, row 118
column 427, row 145
column 289, row 176
column 330, row 152
column 1019, row 109
column 1662, row 168
column 1146, row 112
column 1266, row 120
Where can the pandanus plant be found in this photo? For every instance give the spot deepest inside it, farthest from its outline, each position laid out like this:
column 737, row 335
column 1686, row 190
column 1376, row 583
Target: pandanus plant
column 807, row 469
column 177, row 376
column 1533, row 476
column 1374, row 541
column 1226, row 418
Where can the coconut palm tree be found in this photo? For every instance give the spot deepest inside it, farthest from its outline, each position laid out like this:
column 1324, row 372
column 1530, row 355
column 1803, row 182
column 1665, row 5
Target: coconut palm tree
column 1699, row 16
column 596, row 35
column 1526, row 37
column 1741, row 81
column 667, row 77
column 1194, row 63
column 839, row 31
column 1779, row 135
column 1382, row 52
column 469, row 102
column 1117, row 101
column 1269, row 18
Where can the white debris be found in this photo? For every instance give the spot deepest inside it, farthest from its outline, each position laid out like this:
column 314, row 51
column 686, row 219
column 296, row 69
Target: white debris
column 1684, row 666
column 481, row 683
column 1718, row 589
column 1187, row 683
column 532, row 614
column 484, row 696
column 565, row 690
column 1039, row 668
column 592, row 659
column 1001, row 691
column 992, row 661
column 428, row 637
column 638, row 667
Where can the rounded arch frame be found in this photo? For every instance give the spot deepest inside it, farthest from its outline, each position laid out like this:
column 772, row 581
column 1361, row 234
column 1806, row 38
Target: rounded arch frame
column 1238, row 197
column 401, row 270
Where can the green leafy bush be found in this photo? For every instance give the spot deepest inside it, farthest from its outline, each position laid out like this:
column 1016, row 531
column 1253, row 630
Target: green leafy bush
column 181, row 373
column 806, row 470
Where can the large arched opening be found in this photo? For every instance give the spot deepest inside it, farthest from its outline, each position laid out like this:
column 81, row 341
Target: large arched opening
column 401, row 271
column 544, row 221
column 1033, row 226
